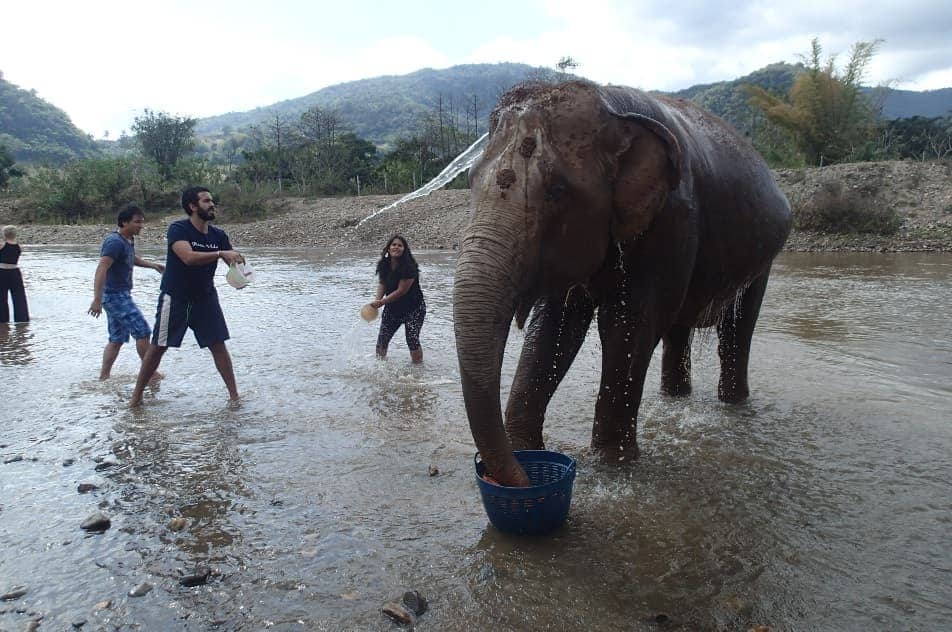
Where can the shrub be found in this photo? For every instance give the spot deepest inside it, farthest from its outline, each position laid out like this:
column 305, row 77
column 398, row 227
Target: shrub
column 90, row 189
column 834, row 208
column 239, row 203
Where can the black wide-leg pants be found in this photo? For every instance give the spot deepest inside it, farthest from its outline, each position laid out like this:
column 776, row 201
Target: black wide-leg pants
column 11, row 281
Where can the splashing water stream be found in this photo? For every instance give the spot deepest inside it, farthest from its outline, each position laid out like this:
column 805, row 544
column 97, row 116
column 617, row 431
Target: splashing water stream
column 459, row 164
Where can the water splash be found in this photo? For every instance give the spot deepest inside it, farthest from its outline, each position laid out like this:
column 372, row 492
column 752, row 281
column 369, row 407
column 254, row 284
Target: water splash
column 459, row 164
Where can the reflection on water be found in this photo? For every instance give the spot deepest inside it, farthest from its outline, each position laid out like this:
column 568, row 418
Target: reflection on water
column 15, row 343
column 821, row 503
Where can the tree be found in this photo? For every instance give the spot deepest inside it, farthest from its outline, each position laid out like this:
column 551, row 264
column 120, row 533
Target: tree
column 826, row 111
column 564, row 65
column 164, row 138
column 7, row 168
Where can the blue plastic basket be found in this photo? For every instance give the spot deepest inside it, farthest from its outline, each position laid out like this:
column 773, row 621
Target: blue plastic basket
column 540, row 508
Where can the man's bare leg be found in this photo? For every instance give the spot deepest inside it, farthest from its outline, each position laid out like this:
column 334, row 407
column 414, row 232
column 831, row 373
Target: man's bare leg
column 151, row 361
column 142, row 346
column 109, row 355
column 223, row 364
column 381, row 352
column 417, row 356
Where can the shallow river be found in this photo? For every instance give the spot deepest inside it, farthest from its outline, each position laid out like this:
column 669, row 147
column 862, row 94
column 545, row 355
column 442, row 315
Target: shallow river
column 824, row 503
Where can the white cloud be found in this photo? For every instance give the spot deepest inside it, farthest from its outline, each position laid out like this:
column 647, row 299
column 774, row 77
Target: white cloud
column 104, row 60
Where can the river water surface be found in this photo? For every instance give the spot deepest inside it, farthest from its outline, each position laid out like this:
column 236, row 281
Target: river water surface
column 823, row 503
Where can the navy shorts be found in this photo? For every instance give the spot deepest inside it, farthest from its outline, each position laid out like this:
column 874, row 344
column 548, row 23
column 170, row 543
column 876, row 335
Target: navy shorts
column 174, row 315
column 124, row 317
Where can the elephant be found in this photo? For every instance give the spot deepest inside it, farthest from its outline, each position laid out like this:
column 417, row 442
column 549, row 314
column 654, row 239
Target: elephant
column 645, row 209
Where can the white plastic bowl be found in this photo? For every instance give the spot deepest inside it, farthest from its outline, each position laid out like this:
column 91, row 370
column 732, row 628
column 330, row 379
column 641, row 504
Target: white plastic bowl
column 239, row 275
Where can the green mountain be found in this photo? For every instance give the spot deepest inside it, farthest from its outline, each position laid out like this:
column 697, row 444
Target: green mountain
column 728, row 100
column 37, row 131
column 907, row 103
column 383, row 109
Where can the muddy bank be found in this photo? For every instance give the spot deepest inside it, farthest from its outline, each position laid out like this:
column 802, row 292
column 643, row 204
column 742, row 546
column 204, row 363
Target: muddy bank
column 920, row 192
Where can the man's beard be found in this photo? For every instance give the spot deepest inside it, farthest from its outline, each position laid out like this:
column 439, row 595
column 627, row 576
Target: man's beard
column 206, row 215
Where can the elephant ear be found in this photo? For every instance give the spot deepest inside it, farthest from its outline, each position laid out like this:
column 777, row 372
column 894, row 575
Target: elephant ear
column 648, row 168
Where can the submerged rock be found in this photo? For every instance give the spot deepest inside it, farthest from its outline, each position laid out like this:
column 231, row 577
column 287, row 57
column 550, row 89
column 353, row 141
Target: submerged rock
column 197, row 579
column 141, row 590
column 398, row 613
column 86, row 487
column 13, row 459
column 416, row 602
column 434, row 471
column 15, row 593
column 105, row 604
column 96, row 522
column 177, row 524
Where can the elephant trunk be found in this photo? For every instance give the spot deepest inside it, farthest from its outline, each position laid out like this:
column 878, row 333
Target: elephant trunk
column 484, row 301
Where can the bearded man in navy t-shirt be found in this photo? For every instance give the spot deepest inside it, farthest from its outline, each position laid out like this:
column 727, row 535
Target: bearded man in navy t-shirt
column 188, row 299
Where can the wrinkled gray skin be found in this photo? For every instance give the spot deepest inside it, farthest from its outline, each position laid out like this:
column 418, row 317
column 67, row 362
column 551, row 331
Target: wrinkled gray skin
column 645, row 210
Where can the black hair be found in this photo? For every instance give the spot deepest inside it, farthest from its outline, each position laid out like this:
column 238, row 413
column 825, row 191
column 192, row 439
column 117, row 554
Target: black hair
column 127, row 212
column 406, row 264
column 190, row 196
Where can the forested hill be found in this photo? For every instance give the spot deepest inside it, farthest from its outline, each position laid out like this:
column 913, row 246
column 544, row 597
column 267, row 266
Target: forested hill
column 37, row 131
column 383, row 109
column 906, row 103
column 728, row 100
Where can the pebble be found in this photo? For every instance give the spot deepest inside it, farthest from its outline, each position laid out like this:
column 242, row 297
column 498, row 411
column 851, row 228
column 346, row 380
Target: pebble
column 105, row 465
column 105, row 604
column 68, row 462
column 197, row 579
column 16, row 593
column 78, row 622
column 86, row 487
column 96, row 522
column 32, row 626
column 141, row 590
column 177, row 524
column 416, row 602
column 434, row 471
column 13, row 459
column 398, row 613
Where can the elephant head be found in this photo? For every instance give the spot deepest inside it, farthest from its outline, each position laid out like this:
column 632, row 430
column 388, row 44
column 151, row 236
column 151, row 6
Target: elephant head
column 566, row 175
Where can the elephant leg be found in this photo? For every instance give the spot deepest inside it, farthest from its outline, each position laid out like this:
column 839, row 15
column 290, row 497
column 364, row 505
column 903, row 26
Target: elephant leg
column 734, row 334
column 553, row 337
column 676, row 362
column 626, row 354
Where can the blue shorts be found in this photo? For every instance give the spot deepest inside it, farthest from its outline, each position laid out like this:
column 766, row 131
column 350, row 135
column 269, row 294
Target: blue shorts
column 174, row 315
column 123, row 317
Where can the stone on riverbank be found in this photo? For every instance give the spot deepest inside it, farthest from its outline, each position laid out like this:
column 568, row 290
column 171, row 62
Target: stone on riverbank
column 96, row 522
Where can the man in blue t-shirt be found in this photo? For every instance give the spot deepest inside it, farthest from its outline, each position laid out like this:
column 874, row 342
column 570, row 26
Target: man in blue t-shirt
column 112, row 287
column 188, row 299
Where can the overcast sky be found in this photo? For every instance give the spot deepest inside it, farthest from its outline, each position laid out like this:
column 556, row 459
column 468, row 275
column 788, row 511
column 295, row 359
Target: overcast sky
column 103, row 61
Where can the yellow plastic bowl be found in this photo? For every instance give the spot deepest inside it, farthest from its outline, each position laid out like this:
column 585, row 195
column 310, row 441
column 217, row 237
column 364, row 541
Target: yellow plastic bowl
column 369, row 313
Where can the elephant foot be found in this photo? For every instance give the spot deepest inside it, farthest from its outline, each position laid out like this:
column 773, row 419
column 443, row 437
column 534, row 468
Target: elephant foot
column 675, row 388
column 617, row 454
column 732, row 393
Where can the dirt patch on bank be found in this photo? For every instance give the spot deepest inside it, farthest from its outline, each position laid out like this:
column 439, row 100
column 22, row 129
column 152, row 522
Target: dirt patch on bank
column 920, row 192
